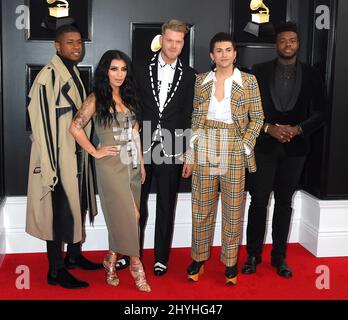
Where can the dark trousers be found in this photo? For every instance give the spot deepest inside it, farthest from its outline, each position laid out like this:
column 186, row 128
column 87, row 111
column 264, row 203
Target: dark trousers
column 167, row 183
column 281, row 173
column 55, row 256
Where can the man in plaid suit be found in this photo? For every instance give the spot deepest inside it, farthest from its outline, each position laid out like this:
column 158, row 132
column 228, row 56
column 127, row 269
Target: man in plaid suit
column 227, row 118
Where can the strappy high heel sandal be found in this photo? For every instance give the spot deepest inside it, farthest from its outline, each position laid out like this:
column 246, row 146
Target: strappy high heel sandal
column 138, row 274
column 109, row 264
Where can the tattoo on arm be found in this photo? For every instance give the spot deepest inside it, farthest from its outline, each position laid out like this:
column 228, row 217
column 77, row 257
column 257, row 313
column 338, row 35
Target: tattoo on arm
column 85, row 114
column 80, row 120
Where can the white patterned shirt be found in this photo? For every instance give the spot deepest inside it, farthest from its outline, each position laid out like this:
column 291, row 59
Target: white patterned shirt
column 165, row 76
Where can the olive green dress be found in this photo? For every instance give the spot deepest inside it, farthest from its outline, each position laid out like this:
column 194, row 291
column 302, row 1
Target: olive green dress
column 119, row 184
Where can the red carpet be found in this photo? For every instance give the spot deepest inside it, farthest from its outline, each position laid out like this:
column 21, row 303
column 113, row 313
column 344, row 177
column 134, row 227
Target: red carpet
column 263, row 285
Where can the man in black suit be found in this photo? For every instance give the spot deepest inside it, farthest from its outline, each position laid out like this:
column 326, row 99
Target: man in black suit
column 294, row 100
column 166, row 94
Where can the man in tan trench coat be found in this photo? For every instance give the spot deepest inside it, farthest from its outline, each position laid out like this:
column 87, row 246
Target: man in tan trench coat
column 60, row 187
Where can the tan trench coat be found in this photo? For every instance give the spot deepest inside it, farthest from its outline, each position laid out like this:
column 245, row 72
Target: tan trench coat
column 54, row 89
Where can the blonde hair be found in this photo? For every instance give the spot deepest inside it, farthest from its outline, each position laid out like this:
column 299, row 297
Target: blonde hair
column 175, row 25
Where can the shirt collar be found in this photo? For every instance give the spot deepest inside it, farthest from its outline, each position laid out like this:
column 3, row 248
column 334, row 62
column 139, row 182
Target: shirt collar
column 162, row 63
column 236, row 77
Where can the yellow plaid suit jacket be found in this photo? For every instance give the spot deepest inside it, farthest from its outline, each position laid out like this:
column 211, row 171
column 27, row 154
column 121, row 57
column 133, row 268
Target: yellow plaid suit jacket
column 246, row 110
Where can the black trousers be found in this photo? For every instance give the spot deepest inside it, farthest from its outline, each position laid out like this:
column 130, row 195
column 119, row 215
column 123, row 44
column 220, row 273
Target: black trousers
column 281, row 173
column 167, row 183
column 55, row 256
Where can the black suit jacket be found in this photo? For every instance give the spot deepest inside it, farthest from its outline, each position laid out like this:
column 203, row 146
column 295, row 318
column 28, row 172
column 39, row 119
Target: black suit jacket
column 309, row 107
column 176, row 115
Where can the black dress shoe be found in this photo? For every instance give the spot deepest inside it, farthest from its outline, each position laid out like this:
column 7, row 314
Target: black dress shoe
column 249, row 266
column 159, row 269
column 282, row 268
column 231, row 275
column 194, row 270
column 81, row 262
column 65, row 279
column 122, row 263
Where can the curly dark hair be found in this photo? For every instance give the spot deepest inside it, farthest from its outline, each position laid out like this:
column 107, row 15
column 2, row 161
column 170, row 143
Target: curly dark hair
column 103, row 90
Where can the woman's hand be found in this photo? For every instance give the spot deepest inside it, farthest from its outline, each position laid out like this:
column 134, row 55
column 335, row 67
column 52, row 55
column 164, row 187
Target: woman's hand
column 142, row 172
column 105, row 151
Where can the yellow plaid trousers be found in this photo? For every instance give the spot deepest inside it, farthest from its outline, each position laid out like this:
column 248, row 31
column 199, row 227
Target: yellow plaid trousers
column 218, row 161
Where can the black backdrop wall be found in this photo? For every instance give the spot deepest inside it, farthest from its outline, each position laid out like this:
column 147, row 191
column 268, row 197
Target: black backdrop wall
column 334, row 183
column 110, row 27
column 326, row 172
column 111, row 24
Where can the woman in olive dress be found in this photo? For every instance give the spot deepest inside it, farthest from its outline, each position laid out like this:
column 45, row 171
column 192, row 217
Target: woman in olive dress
column 114, row 108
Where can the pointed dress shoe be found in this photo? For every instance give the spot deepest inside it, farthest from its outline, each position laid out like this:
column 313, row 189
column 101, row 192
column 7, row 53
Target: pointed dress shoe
column 249, row 266
column 65, row 279
column 159, row 269
column 194, row 270
column 231, row 275
column 81, row 262
column 282, row 268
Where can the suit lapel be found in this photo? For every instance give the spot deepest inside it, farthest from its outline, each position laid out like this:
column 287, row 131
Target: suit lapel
column 176, row 82
column 205, row 96
column 69, row 89
column 271, row 80
column 206, row 92
column 178, row 70
column 297, row 88
column 71, row 94
column 236, row 93
column 153, row 74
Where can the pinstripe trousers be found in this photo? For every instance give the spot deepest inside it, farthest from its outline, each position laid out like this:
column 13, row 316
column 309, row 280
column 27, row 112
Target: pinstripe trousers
column 219, row 161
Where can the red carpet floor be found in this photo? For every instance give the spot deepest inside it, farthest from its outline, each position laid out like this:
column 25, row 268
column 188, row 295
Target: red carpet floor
column 264, row 285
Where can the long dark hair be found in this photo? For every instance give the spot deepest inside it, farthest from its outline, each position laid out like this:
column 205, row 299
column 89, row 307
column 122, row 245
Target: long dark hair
column 103, row 90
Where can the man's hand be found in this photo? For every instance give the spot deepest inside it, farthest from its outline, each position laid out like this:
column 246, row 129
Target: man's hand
column 290, row 131
column 280, row 132
column 187, row 170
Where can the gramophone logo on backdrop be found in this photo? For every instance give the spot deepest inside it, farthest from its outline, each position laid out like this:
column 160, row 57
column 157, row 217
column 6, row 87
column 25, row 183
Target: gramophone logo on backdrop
column 259, row 25
column 61, row 10
column 58, row 15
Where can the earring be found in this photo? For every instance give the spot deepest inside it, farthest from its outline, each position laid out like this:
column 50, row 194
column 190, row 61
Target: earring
column 234, row 61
